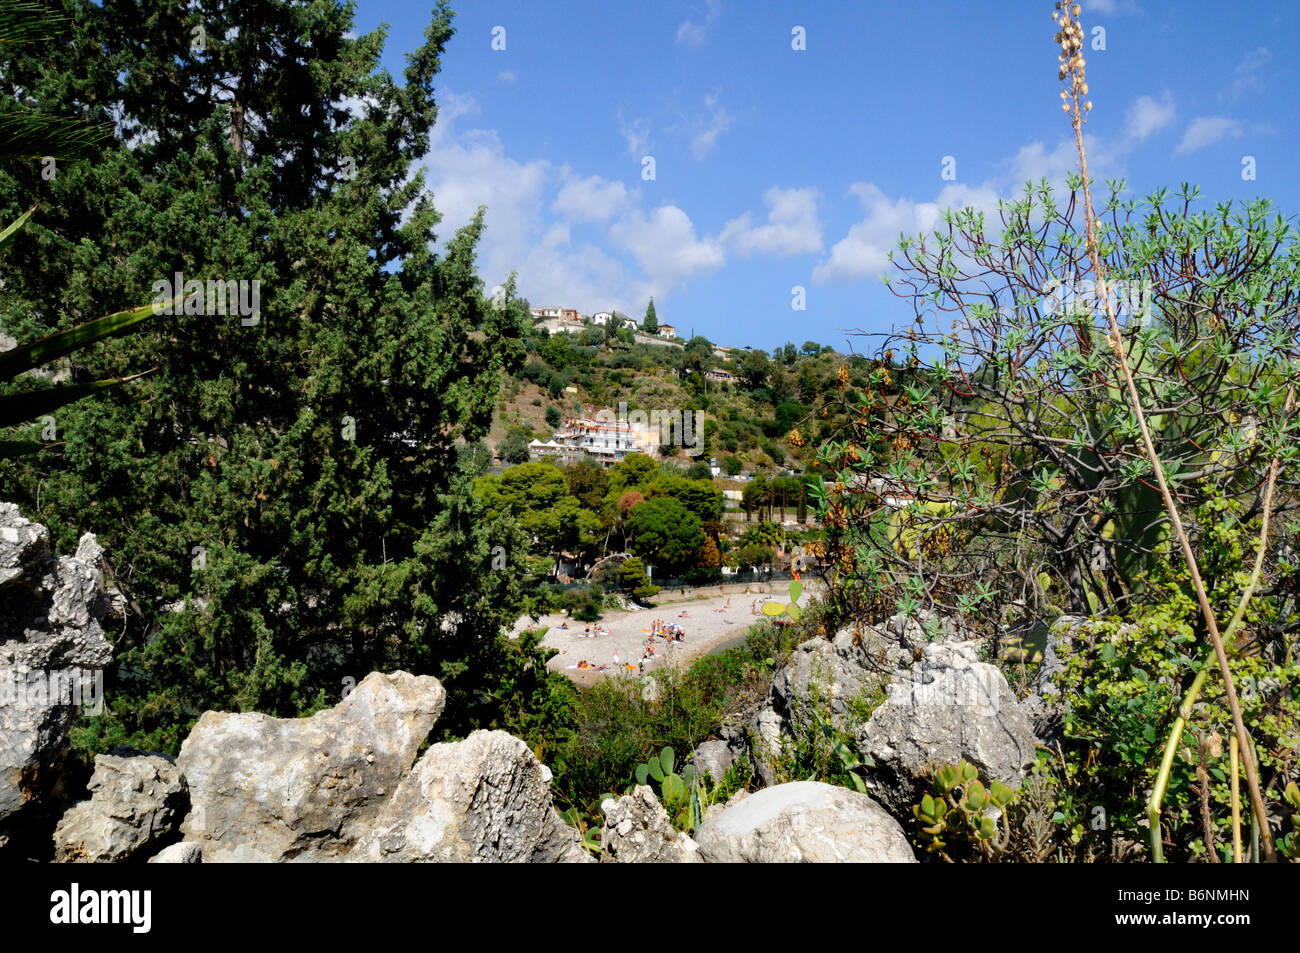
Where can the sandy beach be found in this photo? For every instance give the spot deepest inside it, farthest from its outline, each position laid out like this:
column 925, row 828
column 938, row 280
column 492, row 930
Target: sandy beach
column 716, row 618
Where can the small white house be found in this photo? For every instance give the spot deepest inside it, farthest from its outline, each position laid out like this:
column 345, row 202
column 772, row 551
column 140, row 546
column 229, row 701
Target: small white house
column 602, row 318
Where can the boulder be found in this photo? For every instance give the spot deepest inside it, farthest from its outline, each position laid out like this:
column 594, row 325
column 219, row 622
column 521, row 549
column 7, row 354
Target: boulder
column 278, row 789
column 52, row 655
column 638, row 830
column 186, row 852
column 765, row 730
column 804, row 822
column 840, row 678
column 915, row 631
column 946, row 707
column 837, row 677
column 486, row 798
column 713, row 758
column 136, row 803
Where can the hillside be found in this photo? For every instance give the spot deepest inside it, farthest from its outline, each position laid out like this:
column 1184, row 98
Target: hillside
column 750, row 419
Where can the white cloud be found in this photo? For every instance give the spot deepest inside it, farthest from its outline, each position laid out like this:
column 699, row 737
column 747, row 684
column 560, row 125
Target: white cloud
column 1034, row 162
column 466, row 169
column 792, row 227
column 1206, row 131
column 540, row 220
column 1247, row 78
column 1143, row 119
column 1147, row 116
column 719, row 122
column 666, row 247
column 692, row 33
column 864, row 251
column 506, row 76
column 469, row 169
column 637, row 135
column 592, row 199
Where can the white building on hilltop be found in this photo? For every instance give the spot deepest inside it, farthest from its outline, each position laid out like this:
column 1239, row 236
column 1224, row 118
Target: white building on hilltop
column 602, row 439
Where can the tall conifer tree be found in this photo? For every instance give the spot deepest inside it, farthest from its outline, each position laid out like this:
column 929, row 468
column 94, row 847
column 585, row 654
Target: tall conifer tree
column 282, row 499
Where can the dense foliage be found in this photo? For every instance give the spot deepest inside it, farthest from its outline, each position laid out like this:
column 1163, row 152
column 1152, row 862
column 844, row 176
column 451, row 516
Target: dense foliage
column 282, row 498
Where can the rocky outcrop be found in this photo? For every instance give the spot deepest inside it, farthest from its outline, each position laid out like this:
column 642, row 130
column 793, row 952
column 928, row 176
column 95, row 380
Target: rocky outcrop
column 927, row 627
column 52, row 653
column 486, row 798
column 136, row 805
column 637, row 830
column 840, row 678
column 946, row 707
column 766, row 740
column 279, row 789
column 714, row 759
column 804, row 822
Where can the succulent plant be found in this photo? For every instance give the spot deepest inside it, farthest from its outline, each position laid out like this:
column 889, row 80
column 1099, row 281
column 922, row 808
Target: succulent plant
column 1289, row 844
column 851, row 760
column 684, row 795
column 962, row 811
column 792, row 610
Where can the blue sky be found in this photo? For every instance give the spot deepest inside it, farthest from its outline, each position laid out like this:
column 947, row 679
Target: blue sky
column 777, row 168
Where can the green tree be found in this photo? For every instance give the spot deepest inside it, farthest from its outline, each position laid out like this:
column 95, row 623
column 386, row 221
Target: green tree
column 634, row 472
column 289, row 477
column 700, row 497
column 755, row 369
column 788, row 414
column 537, row 497
column 651, row 323
column 588, row 482
column 632, row 579
column 513, row 448
column 665, row 533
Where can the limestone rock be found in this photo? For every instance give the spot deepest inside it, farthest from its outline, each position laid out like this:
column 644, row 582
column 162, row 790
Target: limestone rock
column 840, row 678
column 916, row 630
column 638, row 830
column 135, row 803
column 186, row 852
column 52, row 655
column 765, row 730
column 279, row 789
column 804, row 822
column 486, row 798
column 946, row 707
column 713, row 758
column 834, row 676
